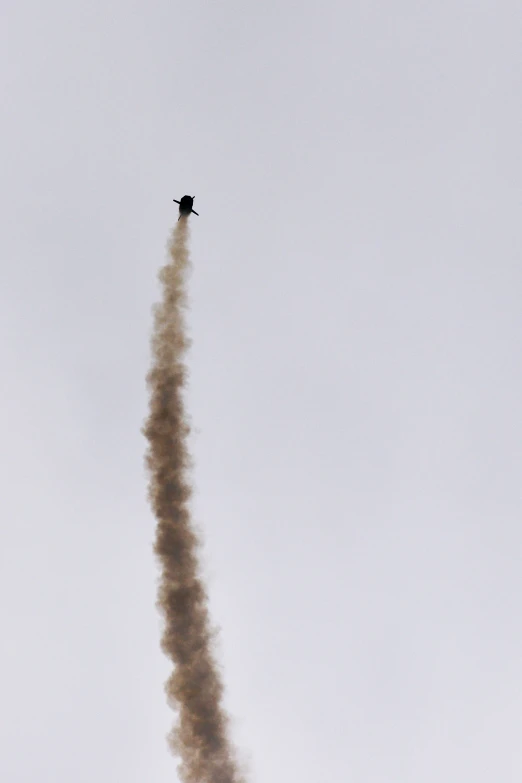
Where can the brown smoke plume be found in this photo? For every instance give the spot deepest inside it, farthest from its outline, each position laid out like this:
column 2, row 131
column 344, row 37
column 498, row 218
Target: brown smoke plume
column 194, row 689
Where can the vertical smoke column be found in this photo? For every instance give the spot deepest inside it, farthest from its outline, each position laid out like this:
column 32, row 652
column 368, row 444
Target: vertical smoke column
column 194, row 689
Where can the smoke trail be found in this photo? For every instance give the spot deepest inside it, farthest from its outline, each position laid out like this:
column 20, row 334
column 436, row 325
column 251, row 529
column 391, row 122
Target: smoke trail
column 194, row 689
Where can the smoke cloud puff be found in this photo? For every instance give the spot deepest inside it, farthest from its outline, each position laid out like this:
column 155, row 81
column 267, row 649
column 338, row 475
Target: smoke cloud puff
column 194, row 690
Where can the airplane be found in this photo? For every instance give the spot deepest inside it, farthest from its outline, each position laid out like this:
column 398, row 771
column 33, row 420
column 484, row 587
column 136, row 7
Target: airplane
column 185, row 206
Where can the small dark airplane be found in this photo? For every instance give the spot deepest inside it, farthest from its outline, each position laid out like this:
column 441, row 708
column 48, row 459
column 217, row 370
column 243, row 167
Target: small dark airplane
column 185, row 206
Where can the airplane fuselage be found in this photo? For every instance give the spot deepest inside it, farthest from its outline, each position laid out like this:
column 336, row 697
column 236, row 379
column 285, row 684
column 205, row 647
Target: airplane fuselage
column 185, row 205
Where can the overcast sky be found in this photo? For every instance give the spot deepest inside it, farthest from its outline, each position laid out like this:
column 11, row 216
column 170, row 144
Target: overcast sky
column 355, row 383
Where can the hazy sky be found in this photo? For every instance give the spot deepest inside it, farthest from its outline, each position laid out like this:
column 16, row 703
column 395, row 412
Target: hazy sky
column 355, row 390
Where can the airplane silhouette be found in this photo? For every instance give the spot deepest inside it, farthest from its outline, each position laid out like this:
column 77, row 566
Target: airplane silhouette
column 185, row 206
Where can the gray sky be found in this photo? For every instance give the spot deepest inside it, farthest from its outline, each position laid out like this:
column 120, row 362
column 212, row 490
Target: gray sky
column 355, row 381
